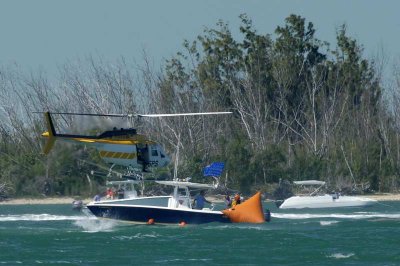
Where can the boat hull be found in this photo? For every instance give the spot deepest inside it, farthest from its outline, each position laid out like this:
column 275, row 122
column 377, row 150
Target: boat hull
column 160, row 215
column 325, row 201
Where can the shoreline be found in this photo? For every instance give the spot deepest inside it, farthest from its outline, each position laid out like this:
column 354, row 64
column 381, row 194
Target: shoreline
column 69, row 200
column 383, row 196
column 42, row 201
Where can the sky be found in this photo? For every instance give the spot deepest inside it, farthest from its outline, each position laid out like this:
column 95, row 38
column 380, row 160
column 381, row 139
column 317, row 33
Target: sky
column 44, row 34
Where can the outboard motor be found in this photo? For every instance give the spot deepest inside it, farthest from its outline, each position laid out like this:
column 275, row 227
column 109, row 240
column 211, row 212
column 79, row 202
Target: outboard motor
column 77, row 205
column 267, row 215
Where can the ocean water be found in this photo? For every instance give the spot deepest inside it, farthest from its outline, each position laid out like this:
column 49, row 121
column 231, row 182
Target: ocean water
column 57, row 235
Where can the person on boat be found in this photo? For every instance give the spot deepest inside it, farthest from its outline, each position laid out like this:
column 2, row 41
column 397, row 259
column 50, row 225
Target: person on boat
column 120, row 193
column 236, row 200
column 97, row 197
column 199, row 200
column 335, row 195
column 228, row 201
column 110, row 193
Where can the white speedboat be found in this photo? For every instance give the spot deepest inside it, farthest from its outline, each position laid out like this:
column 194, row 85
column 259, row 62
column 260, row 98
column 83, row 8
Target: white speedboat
column 313, row 200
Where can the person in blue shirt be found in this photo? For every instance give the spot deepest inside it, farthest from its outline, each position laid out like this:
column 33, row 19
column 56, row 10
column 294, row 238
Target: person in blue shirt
column 199, row 201
column 97, row 197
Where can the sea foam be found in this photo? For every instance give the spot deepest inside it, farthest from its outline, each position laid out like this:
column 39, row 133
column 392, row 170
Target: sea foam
column 327, row 223
column 138, row 236
column 91, row 225
column 341, row 255
column 40, row 217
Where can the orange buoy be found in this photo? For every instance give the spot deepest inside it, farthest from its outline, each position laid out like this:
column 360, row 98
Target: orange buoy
column 250, row 211
column 150, row 221
column 182, row 223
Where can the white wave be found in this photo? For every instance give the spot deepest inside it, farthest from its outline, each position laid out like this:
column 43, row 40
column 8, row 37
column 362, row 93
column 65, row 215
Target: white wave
column 183, row 260
column 138, row 236
column 325, row 223
column 62, row 262
column 93, row 225
column 212, row 227
column 298, row 216
column 341, row 255
column 260, row 227
column 40, row 217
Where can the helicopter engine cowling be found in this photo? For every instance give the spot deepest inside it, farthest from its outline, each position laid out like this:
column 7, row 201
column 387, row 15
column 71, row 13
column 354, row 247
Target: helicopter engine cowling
column 124, row 155
column 138, row 156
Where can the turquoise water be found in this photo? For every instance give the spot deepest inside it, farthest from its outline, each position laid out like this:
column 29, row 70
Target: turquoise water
column 57, row 235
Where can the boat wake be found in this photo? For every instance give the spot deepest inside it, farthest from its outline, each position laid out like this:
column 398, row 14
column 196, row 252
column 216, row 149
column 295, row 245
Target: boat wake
column 357, row 215
column 41, row 217
column 94, row 225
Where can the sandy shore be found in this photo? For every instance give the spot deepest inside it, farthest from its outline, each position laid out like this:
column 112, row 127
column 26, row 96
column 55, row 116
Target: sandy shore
column 29, row 201
column 69, row 200
column 383, row 197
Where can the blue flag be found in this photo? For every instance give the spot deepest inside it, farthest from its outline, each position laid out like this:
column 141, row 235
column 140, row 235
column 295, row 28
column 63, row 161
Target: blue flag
column 214, row 169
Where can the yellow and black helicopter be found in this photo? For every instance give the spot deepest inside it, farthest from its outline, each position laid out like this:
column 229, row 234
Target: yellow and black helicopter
column 123, row 147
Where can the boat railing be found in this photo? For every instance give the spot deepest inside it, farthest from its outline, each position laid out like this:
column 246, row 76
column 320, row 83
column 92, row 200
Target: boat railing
column 309, row 187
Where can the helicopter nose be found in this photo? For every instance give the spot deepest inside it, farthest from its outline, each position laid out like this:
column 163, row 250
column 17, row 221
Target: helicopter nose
column 167, row 160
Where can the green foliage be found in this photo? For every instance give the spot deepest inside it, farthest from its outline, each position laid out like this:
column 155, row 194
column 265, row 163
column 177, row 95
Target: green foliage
column 301, row 111
column 307, row 167
column 269, row 165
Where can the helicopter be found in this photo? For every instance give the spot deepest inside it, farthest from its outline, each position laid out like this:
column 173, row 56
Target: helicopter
column 123, row 147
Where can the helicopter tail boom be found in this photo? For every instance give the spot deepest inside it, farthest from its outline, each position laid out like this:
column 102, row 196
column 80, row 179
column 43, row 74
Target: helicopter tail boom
column 50, row 134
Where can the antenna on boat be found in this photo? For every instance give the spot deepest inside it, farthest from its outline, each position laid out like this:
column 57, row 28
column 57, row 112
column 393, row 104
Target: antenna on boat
column 177, row 158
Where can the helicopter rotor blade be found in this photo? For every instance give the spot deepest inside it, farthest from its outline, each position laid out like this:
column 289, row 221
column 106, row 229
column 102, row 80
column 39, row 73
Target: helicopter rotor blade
column 87, row 114
column 184, row 114
column 138, row 115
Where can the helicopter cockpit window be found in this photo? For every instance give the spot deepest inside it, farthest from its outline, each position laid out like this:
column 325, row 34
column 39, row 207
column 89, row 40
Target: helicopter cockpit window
column 154, row 153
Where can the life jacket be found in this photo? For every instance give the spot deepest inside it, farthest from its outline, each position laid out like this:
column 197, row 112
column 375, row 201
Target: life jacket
column 233, row 203
column 236, row 200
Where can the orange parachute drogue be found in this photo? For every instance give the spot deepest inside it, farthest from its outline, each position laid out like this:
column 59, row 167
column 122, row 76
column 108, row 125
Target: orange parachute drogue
column 250, row 211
